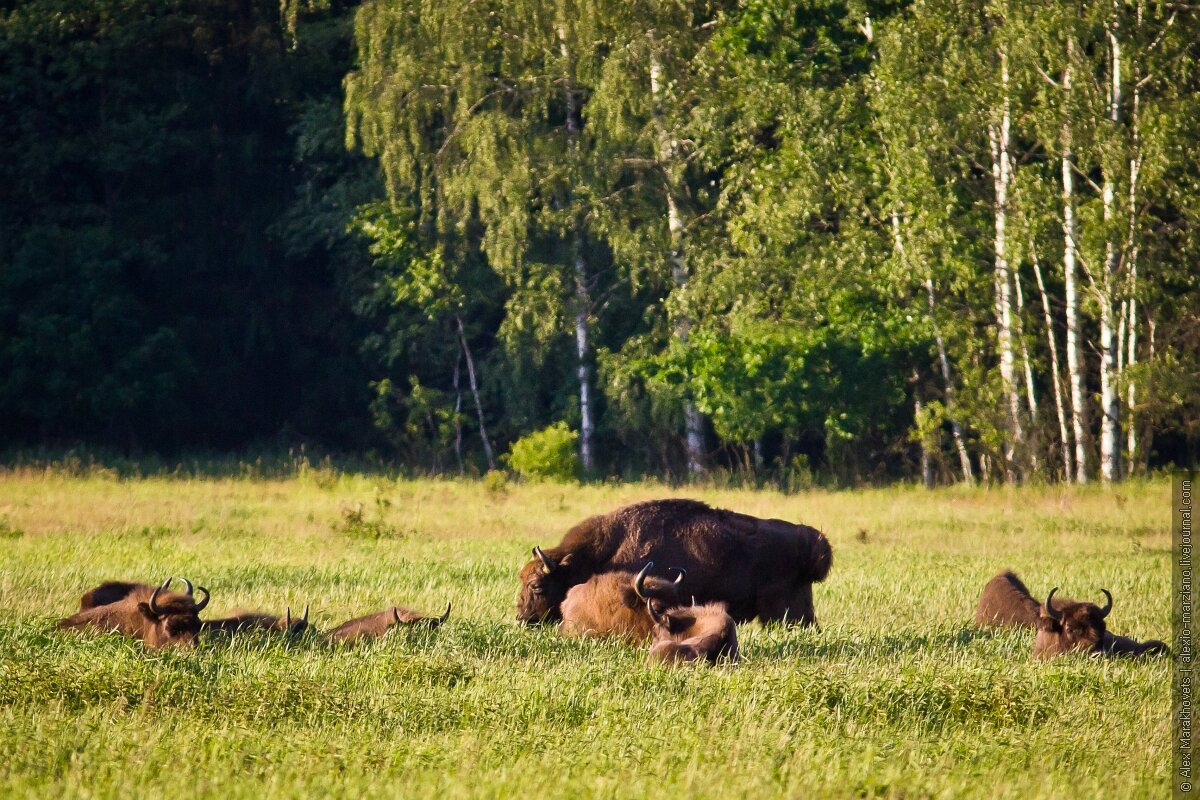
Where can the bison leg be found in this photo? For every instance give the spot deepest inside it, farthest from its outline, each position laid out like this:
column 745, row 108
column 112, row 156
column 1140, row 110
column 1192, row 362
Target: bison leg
column 774, row 604
column 798, row 607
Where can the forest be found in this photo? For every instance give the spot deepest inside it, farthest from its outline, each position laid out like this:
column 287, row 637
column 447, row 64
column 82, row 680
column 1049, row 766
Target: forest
column 797, row 242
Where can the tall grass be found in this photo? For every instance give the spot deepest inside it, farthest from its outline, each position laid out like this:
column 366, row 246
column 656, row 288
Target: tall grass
column 897, row 695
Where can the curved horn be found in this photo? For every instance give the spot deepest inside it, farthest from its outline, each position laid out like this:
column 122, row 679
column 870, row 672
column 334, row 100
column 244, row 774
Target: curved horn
column 304, row 619
column 639, row 583
column 165, row 585
column 189, row 590
column 682, row 574
column 445, row 615
column 545, row 559
column 154, row 599
column 396, row 615
column 1051, row 611
column 1108, row 606
column 200, row 606
column 288, row 620
column 659, row 619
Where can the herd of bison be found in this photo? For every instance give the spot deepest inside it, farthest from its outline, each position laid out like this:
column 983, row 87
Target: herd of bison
column 719, row 568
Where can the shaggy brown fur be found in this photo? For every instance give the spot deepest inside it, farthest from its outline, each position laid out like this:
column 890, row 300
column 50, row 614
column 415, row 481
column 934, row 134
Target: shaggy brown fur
column 761, row 568
column 163, row 618
column 113, row 591
column 614, row 604
column 375, row 625
column 1081, row 628
column 693, row 633
column 242, row 620
column 1007, row 602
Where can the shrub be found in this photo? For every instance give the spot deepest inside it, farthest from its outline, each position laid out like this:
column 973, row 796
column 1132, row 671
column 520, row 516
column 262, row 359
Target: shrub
column 548, row 454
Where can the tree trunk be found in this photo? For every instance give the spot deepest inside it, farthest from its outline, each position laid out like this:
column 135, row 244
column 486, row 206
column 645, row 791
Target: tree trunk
column 964, row 458
column 1075, row 363
column 1064, row 437
column 458, row 413
column 999, row 136
column 583, row 302
column 918, row 408
column 1030, row 393
column 1110, row 344
column 668, row 162
column 483, row 434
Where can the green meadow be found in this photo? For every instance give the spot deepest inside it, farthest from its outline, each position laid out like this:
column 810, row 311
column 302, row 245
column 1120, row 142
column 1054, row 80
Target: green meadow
column 897, row 695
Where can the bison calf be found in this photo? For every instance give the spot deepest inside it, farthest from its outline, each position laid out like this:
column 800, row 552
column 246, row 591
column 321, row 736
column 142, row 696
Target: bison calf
column 1068, row 626
column 163, row 618
column 614, row 604
column 692, row 633
column 250, row 620
column 375, row 625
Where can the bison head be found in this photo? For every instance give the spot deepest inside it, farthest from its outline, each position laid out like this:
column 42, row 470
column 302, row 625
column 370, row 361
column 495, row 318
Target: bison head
column 170, row 617
column 693, row 633
column 544, row 584
column 295, row 627
column 1071, row 627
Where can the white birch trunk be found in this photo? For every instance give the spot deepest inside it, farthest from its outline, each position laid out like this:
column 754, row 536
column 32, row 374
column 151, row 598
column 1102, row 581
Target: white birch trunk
column 483, row 434
column 960, row 445
column 583, row 302
column 999, row 136
column 1064, row 437
column 458, row 413
column 693, row 423
column 1110, row 342
column 1075, row 363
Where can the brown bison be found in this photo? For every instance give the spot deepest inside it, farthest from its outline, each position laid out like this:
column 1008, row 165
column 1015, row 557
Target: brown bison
column 692, row 633
column 761, row 568
column 1063, row 625
column 375, row 625
column 614, row 604
column 241, row 620
column 1080, row 627
column 160, row 619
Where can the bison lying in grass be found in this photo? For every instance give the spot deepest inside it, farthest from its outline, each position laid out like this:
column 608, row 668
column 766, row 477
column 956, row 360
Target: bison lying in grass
column 761, row 568
column 155, row 615
column 614, row 604
column 692, row 633
column 1080, row 627
column 240, row 620
column 1063, row 625
column 375, row 625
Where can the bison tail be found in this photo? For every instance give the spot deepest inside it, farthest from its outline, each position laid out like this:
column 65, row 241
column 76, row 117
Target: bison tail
column 818, row 558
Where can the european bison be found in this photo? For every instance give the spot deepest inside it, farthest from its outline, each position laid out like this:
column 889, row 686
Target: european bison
column 1062, row 624
column 761, row 568
column 1081, row 627
column 614, row 604
column 692, row 633
column 247, row 620
column 375, row 625
column 163, row 618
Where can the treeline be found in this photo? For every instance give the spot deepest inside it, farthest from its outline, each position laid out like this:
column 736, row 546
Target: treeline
column 797, row 240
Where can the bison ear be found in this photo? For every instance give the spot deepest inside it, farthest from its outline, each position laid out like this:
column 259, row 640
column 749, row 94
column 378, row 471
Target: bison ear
column 565, row 561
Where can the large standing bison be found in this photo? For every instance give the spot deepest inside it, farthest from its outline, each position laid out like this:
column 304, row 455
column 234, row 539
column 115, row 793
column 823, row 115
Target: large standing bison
column 761, row 568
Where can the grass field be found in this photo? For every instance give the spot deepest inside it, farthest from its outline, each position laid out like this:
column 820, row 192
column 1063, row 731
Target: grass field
column 897, row 695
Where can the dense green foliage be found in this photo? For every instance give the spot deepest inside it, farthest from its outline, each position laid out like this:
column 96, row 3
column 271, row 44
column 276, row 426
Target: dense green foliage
column 896, row 696
column 773, row 237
